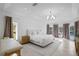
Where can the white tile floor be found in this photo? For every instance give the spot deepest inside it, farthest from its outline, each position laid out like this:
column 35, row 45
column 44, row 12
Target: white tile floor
column 66, row 48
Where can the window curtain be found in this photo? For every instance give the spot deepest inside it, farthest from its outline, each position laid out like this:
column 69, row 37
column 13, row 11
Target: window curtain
column 66, row 30
column 8, row 32
column 77, row 28
column 55, row 29
column 47, row 28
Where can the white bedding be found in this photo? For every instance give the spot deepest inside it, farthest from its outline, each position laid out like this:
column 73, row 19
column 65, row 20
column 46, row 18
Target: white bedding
column 42, row 40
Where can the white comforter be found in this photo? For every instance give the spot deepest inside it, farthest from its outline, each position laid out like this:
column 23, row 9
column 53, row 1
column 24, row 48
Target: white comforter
column 42, row 40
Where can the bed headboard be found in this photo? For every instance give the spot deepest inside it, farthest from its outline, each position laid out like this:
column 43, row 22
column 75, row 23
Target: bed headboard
column 33, row 31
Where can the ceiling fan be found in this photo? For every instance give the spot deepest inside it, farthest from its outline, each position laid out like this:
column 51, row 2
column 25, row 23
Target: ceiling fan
column 34, row 4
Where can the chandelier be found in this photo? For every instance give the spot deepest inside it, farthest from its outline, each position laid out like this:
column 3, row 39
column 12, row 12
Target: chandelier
column 50, row 16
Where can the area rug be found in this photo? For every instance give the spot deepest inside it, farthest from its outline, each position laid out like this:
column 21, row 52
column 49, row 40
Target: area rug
column 33, row 50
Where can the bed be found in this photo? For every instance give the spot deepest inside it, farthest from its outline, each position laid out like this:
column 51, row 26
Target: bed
column 40, row 39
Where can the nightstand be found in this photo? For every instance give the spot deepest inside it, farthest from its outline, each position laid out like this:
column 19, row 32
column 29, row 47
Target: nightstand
column 25, row 39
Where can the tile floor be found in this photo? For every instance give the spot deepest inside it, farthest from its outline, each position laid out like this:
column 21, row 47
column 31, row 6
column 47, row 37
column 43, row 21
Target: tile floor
column 66, row 48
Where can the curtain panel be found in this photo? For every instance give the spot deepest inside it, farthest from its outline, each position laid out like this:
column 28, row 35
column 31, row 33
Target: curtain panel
column 8, row 32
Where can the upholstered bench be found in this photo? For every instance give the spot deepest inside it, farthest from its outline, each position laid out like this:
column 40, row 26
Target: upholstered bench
column 9, row 46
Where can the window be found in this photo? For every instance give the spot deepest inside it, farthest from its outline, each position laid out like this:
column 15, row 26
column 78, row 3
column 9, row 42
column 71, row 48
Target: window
column 15, row 28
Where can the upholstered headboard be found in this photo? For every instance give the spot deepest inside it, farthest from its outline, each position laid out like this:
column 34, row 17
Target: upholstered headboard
column 33, row 31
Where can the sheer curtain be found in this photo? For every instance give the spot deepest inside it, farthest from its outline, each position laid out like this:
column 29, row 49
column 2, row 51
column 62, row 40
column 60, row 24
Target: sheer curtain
column 8, row 32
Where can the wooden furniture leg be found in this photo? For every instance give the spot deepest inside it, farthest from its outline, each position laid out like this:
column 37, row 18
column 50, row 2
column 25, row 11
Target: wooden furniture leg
column 17, row 52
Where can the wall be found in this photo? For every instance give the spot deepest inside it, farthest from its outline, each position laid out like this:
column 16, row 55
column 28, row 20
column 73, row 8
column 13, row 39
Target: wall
column 1, row 21
column 29, row 17
column 26, row 18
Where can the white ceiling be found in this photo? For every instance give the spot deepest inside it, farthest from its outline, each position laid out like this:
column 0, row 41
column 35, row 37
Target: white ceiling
column 64, row 12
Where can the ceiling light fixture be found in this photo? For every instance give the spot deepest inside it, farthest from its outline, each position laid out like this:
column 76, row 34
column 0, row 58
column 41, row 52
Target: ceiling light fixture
column 50, row 16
